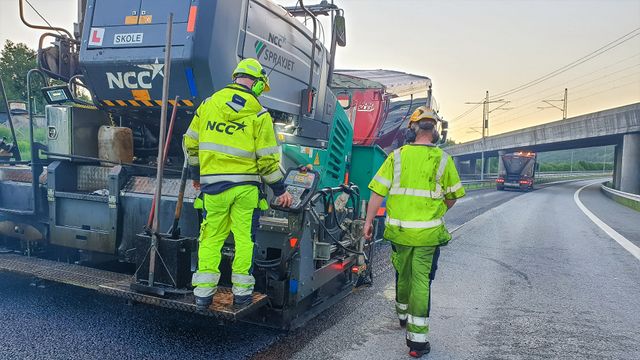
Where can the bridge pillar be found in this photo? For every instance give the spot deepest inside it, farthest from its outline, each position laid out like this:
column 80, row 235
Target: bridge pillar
column 629, row 164
column 472, row 166
column 487, row 165
column 500, row 163
column 456, row 162
column 617, row 165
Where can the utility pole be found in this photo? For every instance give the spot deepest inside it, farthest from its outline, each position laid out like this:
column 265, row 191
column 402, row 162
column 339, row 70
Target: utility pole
column 571, row 166
column 485, row 124
column 551, row 105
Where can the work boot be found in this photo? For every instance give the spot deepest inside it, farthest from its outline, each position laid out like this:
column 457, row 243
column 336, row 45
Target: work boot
column 403, row 323
column 203, row 302
column 242, row 300
column 418, row 353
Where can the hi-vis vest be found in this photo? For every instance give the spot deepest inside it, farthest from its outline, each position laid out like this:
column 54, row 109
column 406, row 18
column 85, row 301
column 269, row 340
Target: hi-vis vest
column 231, row 139
column 417, row 179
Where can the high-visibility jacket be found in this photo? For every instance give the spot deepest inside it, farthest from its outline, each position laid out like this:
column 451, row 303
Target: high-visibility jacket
column 231, row 140
column 417, row 179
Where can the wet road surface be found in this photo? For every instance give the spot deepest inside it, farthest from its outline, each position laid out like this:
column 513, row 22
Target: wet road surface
column 498, row 294
column 532, row 278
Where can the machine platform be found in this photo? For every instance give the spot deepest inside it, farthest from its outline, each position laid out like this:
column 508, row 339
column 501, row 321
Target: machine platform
column 116, row 284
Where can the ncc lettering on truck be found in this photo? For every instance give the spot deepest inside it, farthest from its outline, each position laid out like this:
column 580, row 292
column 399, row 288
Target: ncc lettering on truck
column 135, row 79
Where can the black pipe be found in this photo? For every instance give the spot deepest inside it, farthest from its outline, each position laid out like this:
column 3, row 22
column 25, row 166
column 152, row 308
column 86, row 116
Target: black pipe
column 36, row 166
column 313, row 50
column 16, row 155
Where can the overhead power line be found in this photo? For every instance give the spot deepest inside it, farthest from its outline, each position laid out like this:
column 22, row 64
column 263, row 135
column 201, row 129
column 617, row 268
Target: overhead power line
column 609, row 46
column 538, row 100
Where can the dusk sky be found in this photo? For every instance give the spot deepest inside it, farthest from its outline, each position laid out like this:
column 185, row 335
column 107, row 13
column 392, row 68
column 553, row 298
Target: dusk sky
column 469, row 47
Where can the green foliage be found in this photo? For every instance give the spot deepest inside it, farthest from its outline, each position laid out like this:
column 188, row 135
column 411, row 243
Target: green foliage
column 15, row 61
column 39, row 134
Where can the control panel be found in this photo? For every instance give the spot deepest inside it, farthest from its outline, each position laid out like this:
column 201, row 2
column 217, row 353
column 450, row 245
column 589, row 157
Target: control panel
column 301, row 184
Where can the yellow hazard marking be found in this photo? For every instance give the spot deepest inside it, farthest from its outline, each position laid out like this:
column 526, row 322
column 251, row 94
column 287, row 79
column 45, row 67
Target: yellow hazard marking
column 141, row 101
column 145, row 19
column 140, row 95
column 281, row 137
column 317, row 160
column 131, row 20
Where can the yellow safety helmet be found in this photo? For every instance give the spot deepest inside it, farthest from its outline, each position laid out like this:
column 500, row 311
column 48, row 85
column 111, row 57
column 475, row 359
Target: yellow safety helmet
column 253, row 68
column 423, row 113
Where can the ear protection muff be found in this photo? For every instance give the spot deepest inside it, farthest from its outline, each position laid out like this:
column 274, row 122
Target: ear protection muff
column 436, row 136
column 409, row 135
column 259, row 84
column 258, row 87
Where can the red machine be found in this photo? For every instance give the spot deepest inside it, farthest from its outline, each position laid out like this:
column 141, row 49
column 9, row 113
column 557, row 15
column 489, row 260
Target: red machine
column 371, row 96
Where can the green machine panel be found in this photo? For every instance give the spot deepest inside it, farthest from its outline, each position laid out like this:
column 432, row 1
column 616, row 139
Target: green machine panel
column 365, row 162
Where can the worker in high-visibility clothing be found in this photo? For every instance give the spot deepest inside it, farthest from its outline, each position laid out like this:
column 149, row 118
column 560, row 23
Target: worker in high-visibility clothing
column 421, row 183
column 232, row 148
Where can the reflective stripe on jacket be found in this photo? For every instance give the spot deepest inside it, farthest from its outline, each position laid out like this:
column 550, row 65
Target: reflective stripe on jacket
column 417, row 179
column 231, row 139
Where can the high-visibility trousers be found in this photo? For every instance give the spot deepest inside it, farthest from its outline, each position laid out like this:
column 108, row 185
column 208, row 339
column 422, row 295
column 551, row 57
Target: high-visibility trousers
column 232, row 210
column 415, row 269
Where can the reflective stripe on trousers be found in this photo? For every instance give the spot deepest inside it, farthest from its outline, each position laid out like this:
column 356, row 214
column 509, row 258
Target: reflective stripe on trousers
column 213, row 179
column 242, row 284
column 414, row 224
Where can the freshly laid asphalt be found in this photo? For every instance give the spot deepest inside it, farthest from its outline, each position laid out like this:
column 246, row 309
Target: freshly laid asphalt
column 527, row 276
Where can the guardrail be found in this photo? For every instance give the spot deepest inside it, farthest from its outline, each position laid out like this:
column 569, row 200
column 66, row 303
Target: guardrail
column 541, row 178
column 493, row 176
column 624, row 198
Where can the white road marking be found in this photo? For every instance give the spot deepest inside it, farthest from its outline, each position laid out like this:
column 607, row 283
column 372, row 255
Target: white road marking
column 624, row 242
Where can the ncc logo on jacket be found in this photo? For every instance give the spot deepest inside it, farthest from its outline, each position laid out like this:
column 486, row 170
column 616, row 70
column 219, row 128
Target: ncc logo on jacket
column 226, row 128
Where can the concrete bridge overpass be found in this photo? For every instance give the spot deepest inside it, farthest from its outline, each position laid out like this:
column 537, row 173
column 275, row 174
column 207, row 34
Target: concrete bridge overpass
column 617, row 126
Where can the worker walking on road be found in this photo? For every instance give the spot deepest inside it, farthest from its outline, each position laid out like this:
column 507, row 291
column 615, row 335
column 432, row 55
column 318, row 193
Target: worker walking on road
column 421, row 183
column 232, row 147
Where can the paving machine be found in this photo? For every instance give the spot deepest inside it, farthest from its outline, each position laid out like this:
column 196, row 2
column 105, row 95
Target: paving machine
column 83, row 195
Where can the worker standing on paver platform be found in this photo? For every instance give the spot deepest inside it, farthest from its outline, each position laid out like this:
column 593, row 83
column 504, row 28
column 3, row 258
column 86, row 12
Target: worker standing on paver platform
column 232, row 146
column 421, row 183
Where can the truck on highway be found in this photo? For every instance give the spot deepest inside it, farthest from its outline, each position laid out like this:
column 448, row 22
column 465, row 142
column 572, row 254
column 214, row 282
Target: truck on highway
column 103, row 202
column 517, row 170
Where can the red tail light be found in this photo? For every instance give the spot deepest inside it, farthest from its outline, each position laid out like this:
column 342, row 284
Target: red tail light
column 499, row 180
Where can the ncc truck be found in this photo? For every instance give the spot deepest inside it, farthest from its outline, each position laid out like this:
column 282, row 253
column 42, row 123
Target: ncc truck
column 517, row 171
column 108, row 185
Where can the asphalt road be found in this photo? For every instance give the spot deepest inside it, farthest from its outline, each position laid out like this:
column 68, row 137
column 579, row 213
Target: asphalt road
column 531, row 278
column 526, row 276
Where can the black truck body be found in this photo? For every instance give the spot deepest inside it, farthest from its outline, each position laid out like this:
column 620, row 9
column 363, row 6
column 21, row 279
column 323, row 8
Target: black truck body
column 517, row 171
